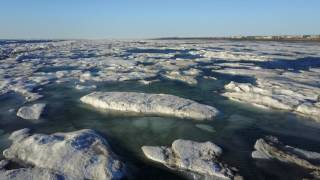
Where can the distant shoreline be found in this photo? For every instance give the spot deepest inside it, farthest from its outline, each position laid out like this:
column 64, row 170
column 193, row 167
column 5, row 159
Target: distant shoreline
column 305, row 38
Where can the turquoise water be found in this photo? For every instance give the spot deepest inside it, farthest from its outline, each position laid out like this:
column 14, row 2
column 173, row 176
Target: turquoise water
column 235, row 130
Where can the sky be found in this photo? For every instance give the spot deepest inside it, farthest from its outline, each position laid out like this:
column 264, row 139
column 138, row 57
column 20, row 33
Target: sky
column 130, row 19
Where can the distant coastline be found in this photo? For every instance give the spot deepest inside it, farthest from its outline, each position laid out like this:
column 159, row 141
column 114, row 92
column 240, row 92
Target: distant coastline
column 292, row 38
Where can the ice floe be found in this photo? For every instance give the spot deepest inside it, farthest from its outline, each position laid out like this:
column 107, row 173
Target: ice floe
column 152, row 104
column 32, row 112
column 304, row 101
column 271, row 148
column 80, row 154
column 198, row 159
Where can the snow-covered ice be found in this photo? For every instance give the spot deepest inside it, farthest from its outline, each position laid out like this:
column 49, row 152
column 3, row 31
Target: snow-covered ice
column 281, row 78
column 150, row 104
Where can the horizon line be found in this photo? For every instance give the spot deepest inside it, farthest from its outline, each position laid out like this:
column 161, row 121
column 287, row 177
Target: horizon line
column 162, row 37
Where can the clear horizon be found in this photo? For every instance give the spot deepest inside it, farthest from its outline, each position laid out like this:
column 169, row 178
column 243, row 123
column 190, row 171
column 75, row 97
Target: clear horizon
column 124, row 19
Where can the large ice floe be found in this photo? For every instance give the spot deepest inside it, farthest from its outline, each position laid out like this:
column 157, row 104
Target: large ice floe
column 199, row 160
column 304, row 101
column 152, row 104
column 80, row 154
column 271, row 148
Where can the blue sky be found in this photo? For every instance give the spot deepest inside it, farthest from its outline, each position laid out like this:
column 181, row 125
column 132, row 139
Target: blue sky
column 156, row 18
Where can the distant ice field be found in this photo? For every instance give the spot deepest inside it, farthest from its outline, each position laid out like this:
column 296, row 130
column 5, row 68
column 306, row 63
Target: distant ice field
column 259, row 89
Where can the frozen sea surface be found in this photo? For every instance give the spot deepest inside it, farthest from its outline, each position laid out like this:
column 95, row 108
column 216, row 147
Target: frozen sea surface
column 284, row 77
